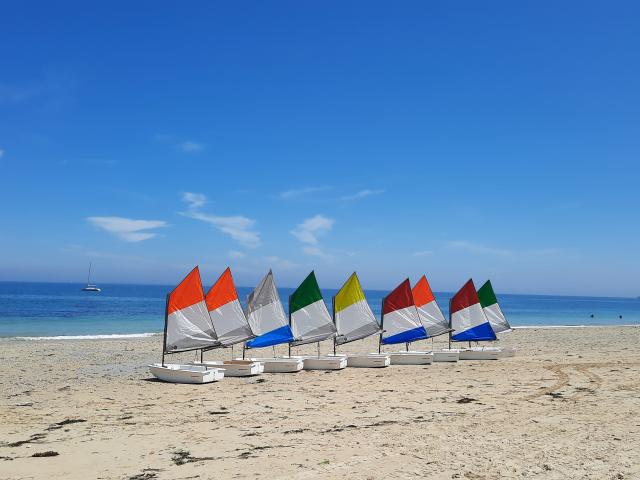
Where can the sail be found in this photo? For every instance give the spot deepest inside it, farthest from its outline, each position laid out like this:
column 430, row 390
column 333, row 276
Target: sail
column 226, row 313
column 308, row 315
column 467, row 318
column 400, row 321
column 187, row 322
column 491, row 309
column 428, row 310
column 266, row 315
column 352, row 314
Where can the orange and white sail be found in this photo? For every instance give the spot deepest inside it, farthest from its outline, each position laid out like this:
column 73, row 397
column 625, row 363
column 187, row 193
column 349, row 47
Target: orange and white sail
column 227, row 316
column 187, row 322
column 428, row 310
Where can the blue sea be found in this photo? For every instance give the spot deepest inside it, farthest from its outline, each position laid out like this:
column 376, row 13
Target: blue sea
column 62, row 309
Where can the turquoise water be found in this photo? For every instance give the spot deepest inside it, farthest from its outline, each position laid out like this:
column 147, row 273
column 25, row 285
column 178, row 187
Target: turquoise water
column 62, row 309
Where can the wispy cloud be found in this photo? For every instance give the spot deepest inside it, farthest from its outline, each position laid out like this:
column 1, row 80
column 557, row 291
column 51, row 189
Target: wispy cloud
column 477, row 248
column 423, row 253
column 315, row 251
column 302, row 191
column 236, row 254
column 280, row 263
column 127, row 229
column 238, row 227
column 309, row 230
column 190, row 146
column 362, row 194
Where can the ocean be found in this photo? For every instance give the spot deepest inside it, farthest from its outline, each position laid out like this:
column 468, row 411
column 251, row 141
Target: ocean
column 35, row 310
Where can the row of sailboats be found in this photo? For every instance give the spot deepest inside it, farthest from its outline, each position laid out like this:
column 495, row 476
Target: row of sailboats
column 195, row 321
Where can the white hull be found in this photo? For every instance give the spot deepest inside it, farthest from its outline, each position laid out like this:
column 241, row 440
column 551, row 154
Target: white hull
column 366, row 360
column 324, row 362
column 479, row 353
column 176, row 373
column 503, row 352
column 280, row 364
column 235, row 368
column 411, row 358
column 446, row 355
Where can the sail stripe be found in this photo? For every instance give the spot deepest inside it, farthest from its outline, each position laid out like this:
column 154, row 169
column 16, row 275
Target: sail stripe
column 309, row 317
column 428, row 310
column 187, row 293
column 306, row 294
column 266, row 315
column 222, row 292
column 350, row 293
column 399, row 314
column 352, row 314
column 492, row 309
column 467, row 318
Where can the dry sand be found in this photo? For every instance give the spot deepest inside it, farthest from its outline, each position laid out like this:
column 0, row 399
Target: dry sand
column 567, row 406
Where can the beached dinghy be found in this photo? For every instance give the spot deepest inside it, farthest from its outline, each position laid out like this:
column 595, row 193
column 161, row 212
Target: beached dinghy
column 432, row 318
column 469, row 324
column 231, row 327
column 401, row 324
column 267, row 320
column 493, row 312
column 187, row 327
column 311, row 323
column 354, row 320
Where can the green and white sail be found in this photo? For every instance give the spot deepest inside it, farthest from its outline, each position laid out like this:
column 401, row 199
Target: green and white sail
column 308, row 315
column 491, row 309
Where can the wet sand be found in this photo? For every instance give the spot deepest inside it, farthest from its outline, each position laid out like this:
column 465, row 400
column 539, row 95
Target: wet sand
column 567, row 406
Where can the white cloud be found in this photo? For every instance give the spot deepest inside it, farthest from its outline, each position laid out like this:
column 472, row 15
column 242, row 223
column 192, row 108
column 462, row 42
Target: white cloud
column 127, row 229
column 362, row 194
column 309, row 230
column 191, row 147
column 280, row 263
column 238, row 227
column 316, row 252
column 423, row 253
column 477, row 248
column 302, row 191
column 235, row 254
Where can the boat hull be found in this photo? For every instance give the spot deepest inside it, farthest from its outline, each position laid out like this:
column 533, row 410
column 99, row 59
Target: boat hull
column 176, row 373
column 280, row 364
column 446, row 355
column 366, row 360
column 235, row 368
column 411, row 358
column 324, row 363
column 479, row 353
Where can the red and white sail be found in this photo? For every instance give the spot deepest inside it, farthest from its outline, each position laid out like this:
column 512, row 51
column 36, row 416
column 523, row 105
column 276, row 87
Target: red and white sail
column 468, row 321
column 187, row 322
column 428, row 310
column 226, row 313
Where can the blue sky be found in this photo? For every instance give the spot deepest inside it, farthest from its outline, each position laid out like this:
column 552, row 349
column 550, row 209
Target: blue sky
column 484, row 139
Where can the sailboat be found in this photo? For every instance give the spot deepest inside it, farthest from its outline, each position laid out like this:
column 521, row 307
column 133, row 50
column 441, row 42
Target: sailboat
column 354, row 320
column 310, row 322
column 493, row 312
column 401, row 324
column 231, row 327
column 468, row 323
column 432, row 318
column 187, row 327
column 90, row 287
column 267, row 320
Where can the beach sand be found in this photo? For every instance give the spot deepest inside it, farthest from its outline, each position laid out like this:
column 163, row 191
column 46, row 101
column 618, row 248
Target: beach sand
column 567, row 406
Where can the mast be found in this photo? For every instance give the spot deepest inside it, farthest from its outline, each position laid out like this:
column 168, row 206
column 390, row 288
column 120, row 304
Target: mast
column 89, row 275
column 333, row 312
column 166, row 319
column 289, row 309
column 450, row 322
column 381, row 325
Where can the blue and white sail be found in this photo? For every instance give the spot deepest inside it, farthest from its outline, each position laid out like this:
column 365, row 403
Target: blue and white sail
column 266, row 316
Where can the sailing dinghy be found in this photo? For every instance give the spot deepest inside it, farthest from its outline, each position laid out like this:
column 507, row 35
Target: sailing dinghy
column 401, row 324
column 311, row 323
column 432, row 318
column 468, row 323
column 230, row 325
column 187, row 327
column 493, row 312
column 354, row 320
column 267, row 320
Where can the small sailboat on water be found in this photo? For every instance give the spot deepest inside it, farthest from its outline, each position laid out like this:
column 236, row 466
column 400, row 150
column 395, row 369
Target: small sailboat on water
column 468, row 323
column 187, row 327
column 231, row 327
column 493, row 312
column 310, row 322
column 267, row 320
column 432, row 318
column 354, row 320
column 401, row 324
column 90, row 287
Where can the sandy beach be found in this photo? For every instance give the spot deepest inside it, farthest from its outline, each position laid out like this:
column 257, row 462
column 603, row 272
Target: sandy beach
column 567, row 406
